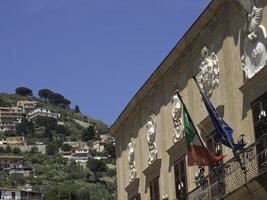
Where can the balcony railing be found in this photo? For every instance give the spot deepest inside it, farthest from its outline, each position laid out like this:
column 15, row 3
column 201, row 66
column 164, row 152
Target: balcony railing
column 232, row 176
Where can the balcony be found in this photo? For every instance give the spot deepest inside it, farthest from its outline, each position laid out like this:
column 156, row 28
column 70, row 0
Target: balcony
column 234, row 182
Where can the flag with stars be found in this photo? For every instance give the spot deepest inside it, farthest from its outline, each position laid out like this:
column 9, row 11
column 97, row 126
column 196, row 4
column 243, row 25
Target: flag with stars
column 223, row 130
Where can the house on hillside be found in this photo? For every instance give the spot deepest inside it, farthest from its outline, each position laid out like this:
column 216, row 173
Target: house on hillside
column 106, row 138
column 27, row 105
column 11, row 162
column 42, row 112
column 19, row 194
column 74, row 144
column 80, row 153
column 14, row 164
column 16, row 140
column 98, row 146
column 10, row 117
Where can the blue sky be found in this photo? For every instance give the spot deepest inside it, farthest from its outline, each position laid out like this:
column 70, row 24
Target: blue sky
column 97, row 53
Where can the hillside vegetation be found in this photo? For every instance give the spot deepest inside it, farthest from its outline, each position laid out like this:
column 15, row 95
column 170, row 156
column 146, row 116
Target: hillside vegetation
column 68, row 116
column 56, row 176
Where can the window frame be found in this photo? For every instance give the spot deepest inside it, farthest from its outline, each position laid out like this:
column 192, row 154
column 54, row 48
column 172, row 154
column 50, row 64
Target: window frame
column 178, row 176
column 154, row 189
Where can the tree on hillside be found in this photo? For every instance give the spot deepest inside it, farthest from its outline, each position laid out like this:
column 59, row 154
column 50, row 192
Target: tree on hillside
column 4, row 103
column 66, row 103
column 25, row 127
column 16, row 179
column 23, row 91
column 110, row 149
column 46, row 122
column 16, row 150
column 10, row 133
column 51, row 148
column 66, row 147
column 60, row 129
column 77, row 109
column 89, row 134
column 49, row 125
column 34, row 150
column 43, row 93
column 96, row 166
column 56, row 98
column 100, row 126
column 84, row 193
column 8, row 149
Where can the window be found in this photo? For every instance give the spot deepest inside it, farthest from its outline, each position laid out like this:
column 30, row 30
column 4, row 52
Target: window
column 136, row 197
column 212, row 142
column 259, row 112
column 180, row 178
column 154, row 189
column 13, row 195
column 214, row 146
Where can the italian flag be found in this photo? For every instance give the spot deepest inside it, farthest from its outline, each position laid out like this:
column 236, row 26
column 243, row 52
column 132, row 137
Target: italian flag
column 198, row 154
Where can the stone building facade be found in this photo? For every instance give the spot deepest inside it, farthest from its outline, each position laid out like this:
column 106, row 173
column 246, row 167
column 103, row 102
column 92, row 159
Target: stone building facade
column 226, row 48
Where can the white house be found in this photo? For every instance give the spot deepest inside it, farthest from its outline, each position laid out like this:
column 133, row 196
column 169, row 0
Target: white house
column 99, row 146
column 43, row 112
column 19, row 194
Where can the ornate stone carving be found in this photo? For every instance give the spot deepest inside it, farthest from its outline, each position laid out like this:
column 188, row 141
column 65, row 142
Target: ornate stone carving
column 177, row 118
column 246, row 4
column 208, row 77
column 151, row 136
column 131, row 160
column 255, row 44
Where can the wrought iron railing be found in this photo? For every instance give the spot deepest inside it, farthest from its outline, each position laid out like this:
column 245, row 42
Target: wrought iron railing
column 232, row 176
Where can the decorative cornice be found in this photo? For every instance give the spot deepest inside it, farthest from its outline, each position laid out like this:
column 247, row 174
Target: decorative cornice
column 246, row 4
column 259, row 80
column 155, row 166
column 173, row 149
column 133, row 186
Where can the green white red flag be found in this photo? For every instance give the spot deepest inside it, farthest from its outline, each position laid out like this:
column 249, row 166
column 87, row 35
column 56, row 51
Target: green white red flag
column 198, row 154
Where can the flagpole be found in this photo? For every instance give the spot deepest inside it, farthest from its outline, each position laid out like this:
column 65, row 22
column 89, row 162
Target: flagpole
column 199, row 137
column 201, row 141
column 232, row 147
column 224, row 134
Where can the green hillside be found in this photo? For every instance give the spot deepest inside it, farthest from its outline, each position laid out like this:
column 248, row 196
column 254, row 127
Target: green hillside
column 56, row 176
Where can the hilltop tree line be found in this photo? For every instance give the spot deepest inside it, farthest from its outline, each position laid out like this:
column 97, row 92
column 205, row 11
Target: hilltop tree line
column 39, row 131
column 48, row 95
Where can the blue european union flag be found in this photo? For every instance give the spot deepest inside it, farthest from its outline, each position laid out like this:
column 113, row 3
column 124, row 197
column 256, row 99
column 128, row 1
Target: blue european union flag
column 223, row 130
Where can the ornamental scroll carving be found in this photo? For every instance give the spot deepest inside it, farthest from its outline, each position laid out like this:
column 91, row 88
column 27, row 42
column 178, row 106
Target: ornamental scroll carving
column 177, row 118
column 208, row 77
column 255, row 42
column 151, row 137
column 131, row 160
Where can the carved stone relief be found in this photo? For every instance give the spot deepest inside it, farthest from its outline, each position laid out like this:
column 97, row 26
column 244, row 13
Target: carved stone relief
column 131, row 160
column 208, row 77
column 177, row 118
column 255, row 43
column 151, row 136
column 246, row 4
